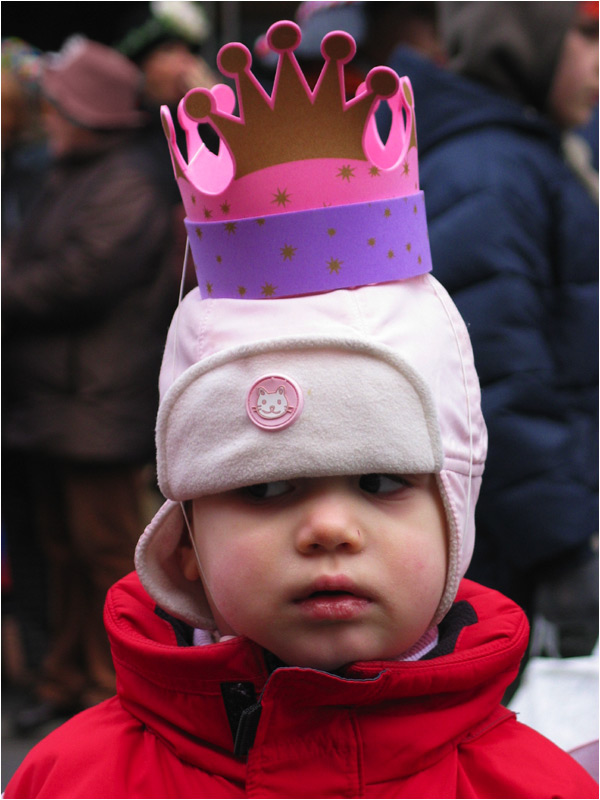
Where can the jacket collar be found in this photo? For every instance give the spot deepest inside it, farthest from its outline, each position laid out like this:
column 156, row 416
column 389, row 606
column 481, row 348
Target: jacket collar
column 174, row 689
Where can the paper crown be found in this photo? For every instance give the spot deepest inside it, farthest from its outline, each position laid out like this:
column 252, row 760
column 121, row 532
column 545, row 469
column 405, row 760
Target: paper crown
column 303, row 195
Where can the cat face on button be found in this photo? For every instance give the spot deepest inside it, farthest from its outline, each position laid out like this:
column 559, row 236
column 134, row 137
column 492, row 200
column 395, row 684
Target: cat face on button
column 271, row 405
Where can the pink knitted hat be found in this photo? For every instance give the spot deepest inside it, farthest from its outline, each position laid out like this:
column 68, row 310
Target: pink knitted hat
column 317, row 344
column 93, row 85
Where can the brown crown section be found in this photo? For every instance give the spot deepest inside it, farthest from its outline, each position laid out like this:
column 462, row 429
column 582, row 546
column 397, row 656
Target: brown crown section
column 294, row 124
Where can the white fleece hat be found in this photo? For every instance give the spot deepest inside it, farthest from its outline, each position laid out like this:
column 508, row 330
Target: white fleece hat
column 381, row 379
column 284, row 363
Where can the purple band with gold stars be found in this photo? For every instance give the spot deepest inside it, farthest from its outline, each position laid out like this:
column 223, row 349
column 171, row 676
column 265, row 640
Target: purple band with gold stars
column 308, row 252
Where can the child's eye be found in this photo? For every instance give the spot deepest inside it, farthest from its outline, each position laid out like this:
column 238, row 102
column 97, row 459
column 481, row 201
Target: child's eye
column 266, row 491
column 376, row 483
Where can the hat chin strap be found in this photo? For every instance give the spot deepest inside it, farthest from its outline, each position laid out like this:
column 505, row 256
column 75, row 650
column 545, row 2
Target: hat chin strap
column 193, row 541
column 220, row 634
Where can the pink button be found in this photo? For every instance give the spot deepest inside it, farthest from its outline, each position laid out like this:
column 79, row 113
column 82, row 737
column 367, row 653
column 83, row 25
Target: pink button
column 274, row 402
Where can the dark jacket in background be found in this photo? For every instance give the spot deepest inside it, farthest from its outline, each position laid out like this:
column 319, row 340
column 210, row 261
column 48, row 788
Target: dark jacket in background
column 514, row 238
column 87, row 296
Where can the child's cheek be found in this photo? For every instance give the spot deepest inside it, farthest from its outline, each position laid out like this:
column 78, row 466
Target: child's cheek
column 233, row 572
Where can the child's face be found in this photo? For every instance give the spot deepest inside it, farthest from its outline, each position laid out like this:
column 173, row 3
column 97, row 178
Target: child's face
column 324, row 571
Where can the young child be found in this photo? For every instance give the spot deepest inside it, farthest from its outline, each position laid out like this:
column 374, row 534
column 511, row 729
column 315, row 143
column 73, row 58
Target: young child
column 296, row 627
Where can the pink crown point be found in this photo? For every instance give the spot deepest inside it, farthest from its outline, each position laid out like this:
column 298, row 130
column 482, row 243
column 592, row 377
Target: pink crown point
column 402, row 136
column 297, row 148
column 264, row 133
column 224, row 98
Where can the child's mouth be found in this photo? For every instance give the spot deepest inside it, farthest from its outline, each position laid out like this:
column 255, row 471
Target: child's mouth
column 332, row 604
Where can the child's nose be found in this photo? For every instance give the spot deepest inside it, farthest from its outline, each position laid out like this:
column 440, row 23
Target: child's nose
column 329, row 526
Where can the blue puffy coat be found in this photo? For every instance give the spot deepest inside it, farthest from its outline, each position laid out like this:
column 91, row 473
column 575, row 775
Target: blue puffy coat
column 514, row 238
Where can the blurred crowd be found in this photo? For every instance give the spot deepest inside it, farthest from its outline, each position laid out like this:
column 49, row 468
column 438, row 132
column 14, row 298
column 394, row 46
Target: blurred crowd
column 93, row 248
column 93, row 253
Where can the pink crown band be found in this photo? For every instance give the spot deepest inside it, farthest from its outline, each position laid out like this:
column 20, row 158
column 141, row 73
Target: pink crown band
column 312, row 251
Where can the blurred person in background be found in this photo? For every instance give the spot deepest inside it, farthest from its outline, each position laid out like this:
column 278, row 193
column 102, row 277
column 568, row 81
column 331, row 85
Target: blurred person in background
column 24, row 151
column 87, row 296
column 164, row 40
column 25, row 160
column 514, row 235
column 407, row 24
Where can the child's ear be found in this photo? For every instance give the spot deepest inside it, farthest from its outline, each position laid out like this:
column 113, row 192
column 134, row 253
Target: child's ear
column 187, row 558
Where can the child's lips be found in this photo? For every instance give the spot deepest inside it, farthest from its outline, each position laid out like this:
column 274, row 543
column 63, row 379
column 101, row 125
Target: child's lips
column 335, row 598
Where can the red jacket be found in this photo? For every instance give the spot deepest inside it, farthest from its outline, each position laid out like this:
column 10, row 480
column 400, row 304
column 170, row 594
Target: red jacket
column 432, row 728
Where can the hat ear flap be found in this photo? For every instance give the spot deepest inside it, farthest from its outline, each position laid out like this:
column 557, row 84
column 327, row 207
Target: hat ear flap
column 158, row 564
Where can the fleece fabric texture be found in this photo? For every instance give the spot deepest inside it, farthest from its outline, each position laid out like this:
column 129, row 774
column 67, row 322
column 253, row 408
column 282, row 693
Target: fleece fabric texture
column 388, row 384
column 382, row 369
column 431, row 728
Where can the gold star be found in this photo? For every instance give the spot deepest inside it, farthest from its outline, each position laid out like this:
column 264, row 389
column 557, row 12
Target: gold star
column 390, row 254
column 288, row 252
column 225, row 208
column 371, row 242
column 334, row 265
column 198, row 233
column 420, row 260
column 241, row 291
column 405, row 168
column 207, row 213
column 374, row 171
column 260, row 221
column 230, row 227
column 219, row 259
column 387, row 213
column 331, row 231
column 408, row 247
column 180, row 174
column 209, row 287
column 268, row 290
column 281, row 197
column 346, row 173
column 414, row 209
column 193, row 199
